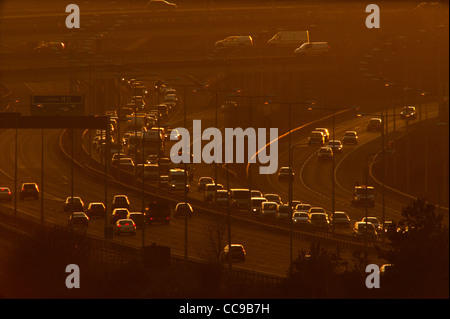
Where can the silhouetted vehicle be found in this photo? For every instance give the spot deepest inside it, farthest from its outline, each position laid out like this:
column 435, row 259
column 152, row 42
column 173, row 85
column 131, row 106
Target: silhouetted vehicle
column 283, row 174
column 119, row 213
column 318, row 221
column 5, row 194
column 202, row 181
column 183, row 209
column 29, row 190
column 137, row 217
column 78, row 219
column 237, row 253
column 50, row 47
column 408, row 112
column 335, row 145
column 96, row 209
column 125, row 226
column 73, row 204
column 157, row 212
column 350, row 137
column 325, row 154
column 316, row 138
column 374, row 125
column 120, row 201
column 340, row 219
column 362, row 229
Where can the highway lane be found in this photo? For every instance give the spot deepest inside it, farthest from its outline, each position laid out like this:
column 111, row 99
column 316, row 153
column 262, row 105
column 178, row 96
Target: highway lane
column 268, row 249
column 313, row 179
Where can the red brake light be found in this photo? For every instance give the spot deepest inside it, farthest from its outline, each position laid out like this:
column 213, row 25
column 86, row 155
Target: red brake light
column 168, row 218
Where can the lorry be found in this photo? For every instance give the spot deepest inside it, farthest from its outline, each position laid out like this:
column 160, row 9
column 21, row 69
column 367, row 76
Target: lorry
column 363, row 195
column 178, row 180
column 289, row 38
column 157, row 212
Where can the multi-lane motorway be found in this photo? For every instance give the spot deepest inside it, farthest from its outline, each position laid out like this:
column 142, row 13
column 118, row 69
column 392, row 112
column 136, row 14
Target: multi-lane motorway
column 267, row 246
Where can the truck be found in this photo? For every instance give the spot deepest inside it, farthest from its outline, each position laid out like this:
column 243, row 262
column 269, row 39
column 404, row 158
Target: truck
column 289, row 38
column 152, row 142
column 363, row 195
column 178, row 180
column 157, row 212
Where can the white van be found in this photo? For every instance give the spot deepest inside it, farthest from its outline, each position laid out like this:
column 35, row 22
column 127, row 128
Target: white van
column 312, row 48
column 286, row 38
column 235, row 41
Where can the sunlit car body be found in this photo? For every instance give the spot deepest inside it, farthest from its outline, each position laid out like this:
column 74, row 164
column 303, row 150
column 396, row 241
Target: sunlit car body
column 202, row 181
column 78, row 219
column 340, row 219
column 284, row 172
column 300, row 218
column 137, row 217
column 120, row 201
column 374, row 221
column 350, row 137
column 318, row 221
column 374, row 125
column 335, row 145
column 408, row 112
column 5, row 194
column 325, row 132
column 255, row 204
column 360, row 232
column 119, row 213
column 29, row 190
column 237, row 253
column 96, row 209
column 274, row 198
column 325, row 154
column 74, row 204
column 316, row 138
column 183, row 209
column 125, row 226
column 50, row 47
column 235, row 41
column 156, row 5
column 269, row 209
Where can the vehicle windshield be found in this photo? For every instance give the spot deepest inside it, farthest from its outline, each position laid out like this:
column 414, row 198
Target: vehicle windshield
column 340, row 215
column 270, row 206
column 257, row 202
column 362, row 191
column 318, row 217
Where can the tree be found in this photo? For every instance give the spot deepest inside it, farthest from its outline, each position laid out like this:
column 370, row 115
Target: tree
column 419, row 253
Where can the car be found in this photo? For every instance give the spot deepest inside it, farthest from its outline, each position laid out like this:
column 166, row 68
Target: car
column 363, row 195
column 29, row 190
column 78, row 219
column 282, row 212
column 210, row 190
column 137, row 217
column 318, row 221
column 126, row 164
column 115, row 158
column 222, row 197
column 202, row 181
column 408, row 112
column 125, row 226
column 235, row 41
column 156, row 5
column 325, row 153
column 316, row 209
column 5, row 194
column 374, row 221
column 256, row 193
column 120, row 201
column 325, row 132
column 335, row 145
column 362, row 230
column 303, row 207
column 350, row 137
column 269, row 208
column 183, row 209
column 340, row 219
column 274, row 198
column 300, row 218
column 255, row 204
column 316, row 138
column 374, row 125
column 73, row 204
column 96, row 209
column 237, row 253
column 50, row 47
column 119, row 213
column 283, row 174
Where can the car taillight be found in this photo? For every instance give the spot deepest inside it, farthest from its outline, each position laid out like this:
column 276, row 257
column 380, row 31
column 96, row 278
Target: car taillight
column 9, row 193
column 167, row 218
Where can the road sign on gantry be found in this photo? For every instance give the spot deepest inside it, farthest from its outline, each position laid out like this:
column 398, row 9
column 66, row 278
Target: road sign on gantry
column 62, row 105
